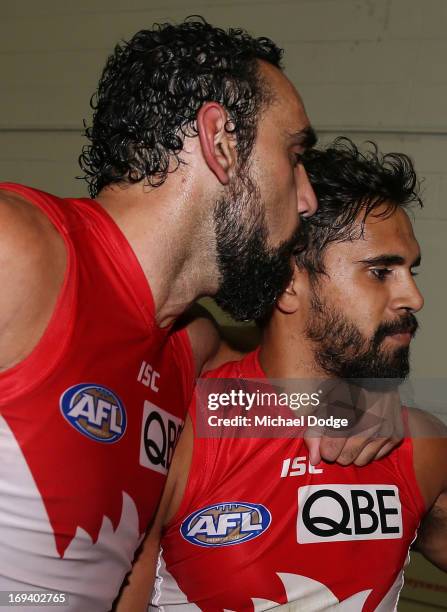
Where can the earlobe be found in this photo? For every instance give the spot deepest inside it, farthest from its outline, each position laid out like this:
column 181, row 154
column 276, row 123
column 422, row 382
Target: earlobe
column 288, row 301
column 218, row 147
column 296, row 295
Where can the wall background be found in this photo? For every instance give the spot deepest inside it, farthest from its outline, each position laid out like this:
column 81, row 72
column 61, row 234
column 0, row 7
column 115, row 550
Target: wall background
column 369, row 69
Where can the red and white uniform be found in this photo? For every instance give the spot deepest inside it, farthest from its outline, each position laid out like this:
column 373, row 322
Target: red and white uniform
column 259, row 528
column 89, row 420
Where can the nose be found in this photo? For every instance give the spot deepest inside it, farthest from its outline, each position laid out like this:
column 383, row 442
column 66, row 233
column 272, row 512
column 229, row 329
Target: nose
column 307, row 200
column 410, row 298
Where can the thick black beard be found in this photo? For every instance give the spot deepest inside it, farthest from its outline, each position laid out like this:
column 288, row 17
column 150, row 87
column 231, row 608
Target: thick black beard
column 252, row 276
column 342, row 351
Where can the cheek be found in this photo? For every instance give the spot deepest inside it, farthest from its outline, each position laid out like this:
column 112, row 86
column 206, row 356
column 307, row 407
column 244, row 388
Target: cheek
column 359, row 302
column 373, row 314
column 281, row 204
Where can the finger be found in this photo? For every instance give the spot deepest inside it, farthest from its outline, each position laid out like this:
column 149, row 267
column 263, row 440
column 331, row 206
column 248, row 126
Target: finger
column 330, row 448
column 371, row 451
column 362, row 450
column 376, row 448
column 352, row 449
column 313, row 446
column 312, row 438
column 388, row 447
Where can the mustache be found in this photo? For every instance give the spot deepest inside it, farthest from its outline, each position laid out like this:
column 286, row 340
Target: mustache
column 407, row 324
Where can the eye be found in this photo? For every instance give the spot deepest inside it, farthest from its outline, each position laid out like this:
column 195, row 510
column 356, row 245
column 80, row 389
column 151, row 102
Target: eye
column 413, row 273
column 381, row 273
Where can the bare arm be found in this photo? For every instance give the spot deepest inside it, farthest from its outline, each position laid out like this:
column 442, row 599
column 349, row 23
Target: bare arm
column 32, row 266
column 209, row 349
column 430, row 463
column 137, row 588
column 432, row 536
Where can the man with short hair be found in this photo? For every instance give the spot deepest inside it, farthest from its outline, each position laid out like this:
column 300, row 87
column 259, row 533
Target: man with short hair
column 194, row 164
column 248, row 523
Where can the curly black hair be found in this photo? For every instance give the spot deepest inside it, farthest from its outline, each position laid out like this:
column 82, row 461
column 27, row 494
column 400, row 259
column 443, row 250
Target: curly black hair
column 350, row 184
column 152, row 88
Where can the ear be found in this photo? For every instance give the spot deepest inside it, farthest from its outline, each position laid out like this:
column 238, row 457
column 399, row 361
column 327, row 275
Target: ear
column 218, row 145
column 291, row 300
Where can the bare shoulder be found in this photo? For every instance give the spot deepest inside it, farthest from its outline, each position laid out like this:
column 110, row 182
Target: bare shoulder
column 224, row 354
column 16, row 217
column 210, row 349
column 429, row 438
column 425, row 425
column 26, row 233
column 203, row 333
column 32, row 264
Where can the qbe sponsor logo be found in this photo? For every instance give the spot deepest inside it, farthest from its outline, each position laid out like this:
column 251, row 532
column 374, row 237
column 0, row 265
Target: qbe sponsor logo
column 226, row 524
column 160, row 431
column 95, row 411
column 336, row 513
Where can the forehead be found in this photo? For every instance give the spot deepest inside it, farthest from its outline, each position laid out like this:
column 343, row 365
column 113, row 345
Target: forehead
column 286, row 110
column 392, row 234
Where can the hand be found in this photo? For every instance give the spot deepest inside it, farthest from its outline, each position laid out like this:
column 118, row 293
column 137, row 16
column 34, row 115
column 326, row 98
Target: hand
column 375, row 425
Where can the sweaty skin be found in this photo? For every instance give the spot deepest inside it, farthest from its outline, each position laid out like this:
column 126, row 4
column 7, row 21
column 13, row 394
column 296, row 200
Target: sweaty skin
column 169, row 228
column 287, row 353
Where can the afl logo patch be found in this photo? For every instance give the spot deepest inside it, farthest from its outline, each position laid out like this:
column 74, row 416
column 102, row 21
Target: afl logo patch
column 226, row 524
column 95, row 411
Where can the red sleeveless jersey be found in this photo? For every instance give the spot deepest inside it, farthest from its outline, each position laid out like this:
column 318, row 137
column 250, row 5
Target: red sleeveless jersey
column 89, row 420
column 259, row 528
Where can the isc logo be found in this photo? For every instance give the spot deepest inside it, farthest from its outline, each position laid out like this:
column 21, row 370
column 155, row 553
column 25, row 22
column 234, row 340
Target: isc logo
column 334, row 513
column 226, row 524
column 159, row 434
column 298, row 466
column 148, row 376
column 95, row 411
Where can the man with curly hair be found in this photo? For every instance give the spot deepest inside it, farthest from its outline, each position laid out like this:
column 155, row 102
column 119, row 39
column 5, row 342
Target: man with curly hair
column 197, row 188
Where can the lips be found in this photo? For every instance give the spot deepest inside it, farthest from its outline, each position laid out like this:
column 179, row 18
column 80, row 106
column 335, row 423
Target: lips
column 403, row 333
column 401, row 328
column 402, row 337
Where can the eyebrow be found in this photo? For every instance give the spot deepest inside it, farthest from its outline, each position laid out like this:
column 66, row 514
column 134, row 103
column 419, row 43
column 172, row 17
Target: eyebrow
column 389, row 260
column 306, row 138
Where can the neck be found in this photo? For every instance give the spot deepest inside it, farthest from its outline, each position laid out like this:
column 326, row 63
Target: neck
column 173, row 242
column 286, row 352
